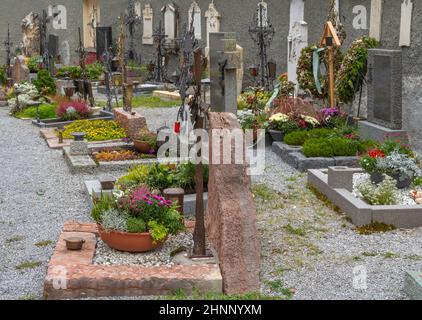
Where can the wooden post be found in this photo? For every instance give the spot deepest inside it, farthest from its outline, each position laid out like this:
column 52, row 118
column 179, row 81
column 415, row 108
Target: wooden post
column 330, row 40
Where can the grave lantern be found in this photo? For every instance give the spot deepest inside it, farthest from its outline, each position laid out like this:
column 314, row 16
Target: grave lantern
column 272, row 70
column 253, row 70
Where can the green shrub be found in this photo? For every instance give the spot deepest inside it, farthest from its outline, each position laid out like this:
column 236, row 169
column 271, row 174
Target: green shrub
column 73, row 72
column 101, row 204
column 298, row 138
column 135, row 225
column 185, row 175
column 160, row 177
column 331, row 147
column 135, row 177
column 3, row 75
column 46, row 111
column 158, row 231
column 34, row 64
column 45, row 83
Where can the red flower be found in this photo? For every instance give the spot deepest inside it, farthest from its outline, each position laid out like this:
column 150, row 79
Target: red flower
column 250, row 100
column 377, row 153
column 302, row 123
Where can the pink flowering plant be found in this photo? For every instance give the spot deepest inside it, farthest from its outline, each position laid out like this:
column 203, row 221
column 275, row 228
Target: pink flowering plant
column 139, row 211
column 332, row 117
column 73, row 110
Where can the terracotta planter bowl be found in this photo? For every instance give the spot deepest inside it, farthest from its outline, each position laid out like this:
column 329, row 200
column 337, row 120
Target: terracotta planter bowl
column 128, row 242
column 141, row 146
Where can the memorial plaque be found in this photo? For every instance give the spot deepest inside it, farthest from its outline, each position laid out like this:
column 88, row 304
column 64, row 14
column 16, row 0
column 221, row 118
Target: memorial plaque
column 104, row 37
column 385, row 88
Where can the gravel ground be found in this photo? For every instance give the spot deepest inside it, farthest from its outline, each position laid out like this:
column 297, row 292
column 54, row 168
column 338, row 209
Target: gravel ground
column 310, row 251
column 37, row 195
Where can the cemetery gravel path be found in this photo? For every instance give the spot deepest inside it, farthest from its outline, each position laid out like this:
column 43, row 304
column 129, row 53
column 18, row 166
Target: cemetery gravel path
column 37, row 195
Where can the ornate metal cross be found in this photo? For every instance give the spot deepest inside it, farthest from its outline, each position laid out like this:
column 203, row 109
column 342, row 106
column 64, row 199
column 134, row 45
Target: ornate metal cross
column 132, row 19
column 8, row 44
column 262, row 33
column 160, row 72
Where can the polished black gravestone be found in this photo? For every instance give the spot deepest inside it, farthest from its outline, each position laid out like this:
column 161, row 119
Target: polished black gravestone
column 385, row 88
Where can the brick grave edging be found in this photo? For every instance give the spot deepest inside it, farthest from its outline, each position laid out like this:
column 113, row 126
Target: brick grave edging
column 294, row 157
column 337, row 185
column 71, row 274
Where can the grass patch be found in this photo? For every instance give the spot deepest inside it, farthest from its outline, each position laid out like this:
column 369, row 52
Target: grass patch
column 375, row 227
column 181, row 295
column 45, row 243
column 268, row 196
column 389, row 255
column 14, row 239
column 323, row 198
column 277, row 286
column 47, row 111
column 28, row 265
column 370, row 254
column 154, row 102
column 296, row 231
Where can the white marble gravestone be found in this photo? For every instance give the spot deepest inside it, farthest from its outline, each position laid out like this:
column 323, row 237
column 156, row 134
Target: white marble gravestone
column 148, row 21
column 170, row 15
column 406, row 23
column 376, row 19
column 298, row 37
column 213, row 23
column 197, row 24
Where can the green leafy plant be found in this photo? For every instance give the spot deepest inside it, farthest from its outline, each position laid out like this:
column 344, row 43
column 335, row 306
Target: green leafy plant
column 158, row 231
column 34, row 64
column 136, row 176
column 73, row 72
column 45, row 83
column 3, row 75
column 298, row 138
column 135, row 225
column 94, row 71
column 353, row 68
column 101, row 204
column 185, row 175
column 46, row 111
column 160, row 177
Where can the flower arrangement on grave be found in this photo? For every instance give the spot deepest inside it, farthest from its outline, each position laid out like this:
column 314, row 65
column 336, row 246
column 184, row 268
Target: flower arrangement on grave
column 140, row 213
column 353, row 69
column 251, row 99
column 146, row 141
column 73, row 110
column 119, row 155
column 96, row 130
column 332, row 117
column 392, row 159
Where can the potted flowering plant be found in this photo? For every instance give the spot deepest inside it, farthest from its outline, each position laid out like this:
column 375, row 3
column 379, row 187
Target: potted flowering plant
column 280, row 124
column 136, row 221
column 392, row 160
column 145, row 141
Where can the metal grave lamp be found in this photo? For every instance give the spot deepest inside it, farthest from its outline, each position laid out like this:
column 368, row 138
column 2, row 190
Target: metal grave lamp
column 272, row 70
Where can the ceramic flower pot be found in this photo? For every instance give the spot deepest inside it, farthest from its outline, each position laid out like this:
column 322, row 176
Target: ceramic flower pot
column 377, row 177
column 128, row 242
column 141, row 146
column 402, row 182
column 276, row 135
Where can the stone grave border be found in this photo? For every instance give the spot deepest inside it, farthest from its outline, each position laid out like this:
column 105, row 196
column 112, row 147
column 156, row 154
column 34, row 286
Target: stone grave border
column 94, row 189
column 336, row 184
column 72, row 274
column 86, row 164
column 294, row 157
column 413, row 285
column 58, row 123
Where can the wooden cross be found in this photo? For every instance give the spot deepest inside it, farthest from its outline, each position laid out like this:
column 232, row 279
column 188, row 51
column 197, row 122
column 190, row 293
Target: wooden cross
column 330, row 40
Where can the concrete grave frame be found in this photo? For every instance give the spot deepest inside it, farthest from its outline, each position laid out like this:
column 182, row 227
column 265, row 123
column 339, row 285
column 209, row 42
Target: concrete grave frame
column 59, row 123
column 336, row 184
column 72, row 274
column 294, row 157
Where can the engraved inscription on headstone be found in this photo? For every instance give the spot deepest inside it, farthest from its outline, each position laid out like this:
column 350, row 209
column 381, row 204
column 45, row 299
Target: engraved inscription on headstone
column 385, row 88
